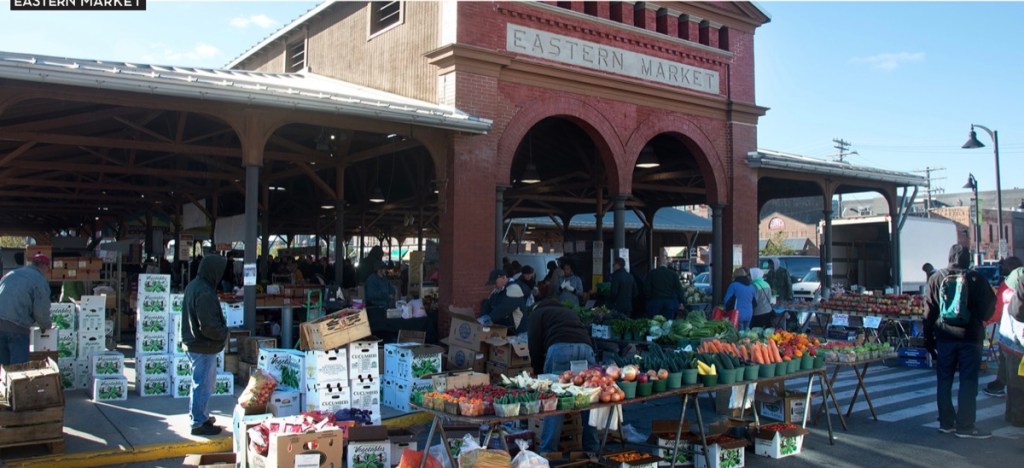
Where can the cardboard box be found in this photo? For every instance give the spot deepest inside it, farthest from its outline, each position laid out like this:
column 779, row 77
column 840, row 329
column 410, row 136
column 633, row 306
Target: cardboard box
column 106, row 364
column 109, row 389
column 154, row 284
column 412, row 336
column 466, row 359
column 411, row 361
column 571, row 424
column 366, row 396
column 396, row 393
column 335, row 330
column 914, row 362
column 508, row 354
column 82, row 380
column 249, row 347
column 664, row 433
column 181, row 387
column 151, row 343
column 154, row 322
column 88, row 345
column 234, row 314
column 779, row 444
column 235, row 336
column 290, row 451
column 328, row 396
column 154, row 304
column 63, row 315
column 650, row 461
column 286, row 365
column 240, row 424
column 460, row 379
column 154, row 386
column 225, row 385
column 31, row 385
column 364, row 360
column 181, row 365
column 67, row 344
column 176, row 303
column 32, row 250
column 495, row 371
column 231, row 363
column 327, row 366
column 43, row 340
column 368, row 447
column 158, row 365
column 285, row 402
column 729, row 454
column 466, row 332
column 401, row 439
column 67, row 375
column 211, row 460
column 787, row 409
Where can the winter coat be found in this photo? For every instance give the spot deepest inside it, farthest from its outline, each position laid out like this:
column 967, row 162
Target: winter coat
column 378, row 291
column 662, row 283
column 763, row 297
column 981, row 302
column 203, row 329
column 623, row 291
column 574, row 295
column 24, row 299
column 553, row 324
column 741, row 296
column 501, row 306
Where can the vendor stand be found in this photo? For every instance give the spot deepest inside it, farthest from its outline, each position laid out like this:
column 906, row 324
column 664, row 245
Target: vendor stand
column 860, row 370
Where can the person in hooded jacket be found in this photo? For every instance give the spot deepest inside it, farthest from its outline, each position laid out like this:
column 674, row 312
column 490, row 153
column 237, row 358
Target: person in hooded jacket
column 1011, row 344
column 958, row 348
column 203, row 335
column 1004, row 293
column 741, row 296
column 763, row 312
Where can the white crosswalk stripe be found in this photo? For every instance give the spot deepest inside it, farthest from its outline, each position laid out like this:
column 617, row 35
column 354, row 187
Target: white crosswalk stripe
column 908, row 395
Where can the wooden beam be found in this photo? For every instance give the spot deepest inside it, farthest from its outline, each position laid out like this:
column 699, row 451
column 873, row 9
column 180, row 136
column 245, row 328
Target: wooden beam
column 656, row 176
column 142, row 129
column 317, row 180
column 179, row 134
column 95, row 168
column 70, row 120
column 387, row 148
column 64, row 196
column 106, row 185
column 671, row 189
column 17, row 152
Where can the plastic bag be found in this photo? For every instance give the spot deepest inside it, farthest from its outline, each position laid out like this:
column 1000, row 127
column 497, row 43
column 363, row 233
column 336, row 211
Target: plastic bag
column 412, row 459
column 632, row 435
column 528, row 459
column 475, row 456
column 437, row 452
column 257, row 393
column 732, row 315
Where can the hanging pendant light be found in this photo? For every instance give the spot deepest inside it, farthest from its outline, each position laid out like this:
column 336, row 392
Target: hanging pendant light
column 530, row 175
column 376, row 196
column 647, row 159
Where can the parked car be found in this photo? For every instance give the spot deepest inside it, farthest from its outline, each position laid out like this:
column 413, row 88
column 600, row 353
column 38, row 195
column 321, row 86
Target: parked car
column 809, row 286
column 991, row 274
column 797, row 265
column 703, row 282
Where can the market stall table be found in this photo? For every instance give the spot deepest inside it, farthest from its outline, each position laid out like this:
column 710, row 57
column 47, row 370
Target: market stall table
column 494, row 422
column 860, row 370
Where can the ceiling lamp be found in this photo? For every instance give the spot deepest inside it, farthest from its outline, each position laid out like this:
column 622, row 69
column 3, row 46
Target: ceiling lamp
column 530, row 175
column 376, row 196
column 647, row 159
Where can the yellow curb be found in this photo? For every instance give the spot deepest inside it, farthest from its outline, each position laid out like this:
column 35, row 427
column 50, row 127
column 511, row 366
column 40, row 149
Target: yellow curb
column 170, row 450
column 117, row 457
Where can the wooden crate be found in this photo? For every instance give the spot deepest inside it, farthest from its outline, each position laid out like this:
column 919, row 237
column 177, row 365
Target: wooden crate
column 44, row 426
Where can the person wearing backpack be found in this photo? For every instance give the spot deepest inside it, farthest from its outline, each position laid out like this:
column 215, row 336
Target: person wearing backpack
column 959, row 301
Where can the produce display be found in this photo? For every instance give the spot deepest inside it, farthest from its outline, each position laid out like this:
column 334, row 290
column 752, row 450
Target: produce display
column 258, row 391
column 889, row 304
column 313, row 421
column 694, row 295
column 846, row 352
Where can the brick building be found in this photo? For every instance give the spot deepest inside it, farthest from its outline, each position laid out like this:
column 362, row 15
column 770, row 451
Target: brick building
column 580, row 92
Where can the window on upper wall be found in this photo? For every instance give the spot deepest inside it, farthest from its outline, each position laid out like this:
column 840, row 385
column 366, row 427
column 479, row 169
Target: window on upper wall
column 295, row 56
column 723, row 38
column 991, row 238
column 384, row 15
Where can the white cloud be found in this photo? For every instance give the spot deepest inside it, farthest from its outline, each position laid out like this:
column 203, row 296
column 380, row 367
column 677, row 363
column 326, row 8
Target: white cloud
column 196, row 56
column 890, row 61
column 260, row 20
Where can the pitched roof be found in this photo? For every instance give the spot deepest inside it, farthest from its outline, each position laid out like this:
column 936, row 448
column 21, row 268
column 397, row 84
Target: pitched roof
column 293, row 91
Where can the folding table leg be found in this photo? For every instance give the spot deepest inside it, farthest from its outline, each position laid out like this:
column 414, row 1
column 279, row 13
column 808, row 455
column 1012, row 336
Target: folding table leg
column 703, row 434
column 444, row 443
column 607, row 428
column 861, row 386
column 679, row 428
column 430, row 439
column 828, row 417
column 824, row 401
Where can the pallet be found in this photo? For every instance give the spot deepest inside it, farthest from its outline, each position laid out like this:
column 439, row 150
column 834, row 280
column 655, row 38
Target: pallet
column 44, row 426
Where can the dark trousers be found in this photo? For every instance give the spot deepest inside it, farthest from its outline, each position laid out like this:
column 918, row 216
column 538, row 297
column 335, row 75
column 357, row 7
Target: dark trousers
column 965, row 358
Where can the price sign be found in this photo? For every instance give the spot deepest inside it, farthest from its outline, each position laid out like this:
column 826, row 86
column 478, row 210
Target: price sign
column 872, row 322
column 249, row 274
column 840, row 320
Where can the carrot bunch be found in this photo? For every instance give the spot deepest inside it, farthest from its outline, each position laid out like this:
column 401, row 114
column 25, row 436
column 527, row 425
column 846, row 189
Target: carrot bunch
column 756, row 353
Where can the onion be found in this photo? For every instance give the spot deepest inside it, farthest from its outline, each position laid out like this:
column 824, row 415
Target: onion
column 578, row 380
column 662, row 374
column 618, row 396
column 614, row 372
column 605, row 397
column 629, row 373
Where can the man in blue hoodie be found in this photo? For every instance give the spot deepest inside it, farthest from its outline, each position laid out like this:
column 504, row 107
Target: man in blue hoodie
column 958, row 348
column 203, row 334
column 24, row 301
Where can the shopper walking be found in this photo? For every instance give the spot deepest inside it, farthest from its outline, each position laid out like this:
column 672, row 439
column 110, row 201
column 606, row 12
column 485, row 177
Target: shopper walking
column 623, row 289
column 741, row 296
column 558, row 337
column 1011, row 346
column 203, row 334
column 779, row 280
column 24, row 301
column 664, row 292
column 1004, row 294
column 763, row 312
column 959, row 300
column 552, row 280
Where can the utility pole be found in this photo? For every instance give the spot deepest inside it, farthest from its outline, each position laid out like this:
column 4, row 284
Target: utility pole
column 843, row 146
column 929, row 190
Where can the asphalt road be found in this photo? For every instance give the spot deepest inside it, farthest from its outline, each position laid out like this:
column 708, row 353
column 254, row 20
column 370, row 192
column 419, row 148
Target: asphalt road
column 905, row 435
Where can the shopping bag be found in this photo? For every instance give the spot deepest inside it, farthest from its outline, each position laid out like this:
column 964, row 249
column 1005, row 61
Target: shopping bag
column 412, row 458
column 732, row 315
column 528, row 459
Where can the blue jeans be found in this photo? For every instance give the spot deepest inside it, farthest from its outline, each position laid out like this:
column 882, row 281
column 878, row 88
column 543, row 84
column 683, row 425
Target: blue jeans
column 964, row 358
column 557, row 361
column 204, row 378
column 664, row 307
column 13, row 347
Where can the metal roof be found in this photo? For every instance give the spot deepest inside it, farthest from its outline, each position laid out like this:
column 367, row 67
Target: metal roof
column 281, row 32
column 294, row 91
column 769, row 159
column 665, row 220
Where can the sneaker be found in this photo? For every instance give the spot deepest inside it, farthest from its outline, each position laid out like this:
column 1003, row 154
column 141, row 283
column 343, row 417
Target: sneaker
column 947, row 430
column 993, row 392
column 211, row 421
column 973, row 434
column 206, row 430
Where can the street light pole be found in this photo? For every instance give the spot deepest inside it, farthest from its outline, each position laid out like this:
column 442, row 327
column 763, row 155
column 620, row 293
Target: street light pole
column 974, row 220
column 973, row 142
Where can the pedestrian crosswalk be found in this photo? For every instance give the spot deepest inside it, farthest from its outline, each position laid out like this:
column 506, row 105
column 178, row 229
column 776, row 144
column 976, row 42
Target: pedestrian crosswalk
column 907, row 396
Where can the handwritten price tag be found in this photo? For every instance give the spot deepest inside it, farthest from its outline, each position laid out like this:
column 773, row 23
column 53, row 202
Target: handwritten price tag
column 872, row 322
column 840, row 320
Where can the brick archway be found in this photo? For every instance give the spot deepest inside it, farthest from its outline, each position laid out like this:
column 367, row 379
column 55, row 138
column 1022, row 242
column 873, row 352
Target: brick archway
column 694, row 137
column 591, row 120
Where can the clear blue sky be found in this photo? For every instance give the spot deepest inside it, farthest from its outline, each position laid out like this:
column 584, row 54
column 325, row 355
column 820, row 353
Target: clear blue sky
column 901, row 81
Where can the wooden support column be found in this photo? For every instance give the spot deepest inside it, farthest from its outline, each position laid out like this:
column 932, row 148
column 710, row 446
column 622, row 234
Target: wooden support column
column 339, row 226
column 717, row 252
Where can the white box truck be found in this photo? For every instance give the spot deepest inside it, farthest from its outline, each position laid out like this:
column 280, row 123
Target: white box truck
column 862, row 251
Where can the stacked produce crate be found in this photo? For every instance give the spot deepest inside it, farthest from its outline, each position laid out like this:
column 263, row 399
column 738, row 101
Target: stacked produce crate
column 407, row 367
column 154, row 335
column 32, row 405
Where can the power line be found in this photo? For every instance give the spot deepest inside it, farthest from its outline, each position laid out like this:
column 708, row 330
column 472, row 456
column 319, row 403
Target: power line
column 928, row 187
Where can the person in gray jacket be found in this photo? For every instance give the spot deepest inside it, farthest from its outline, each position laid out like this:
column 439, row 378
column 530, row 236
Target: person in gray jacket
column 203, row 334
column 24, row 301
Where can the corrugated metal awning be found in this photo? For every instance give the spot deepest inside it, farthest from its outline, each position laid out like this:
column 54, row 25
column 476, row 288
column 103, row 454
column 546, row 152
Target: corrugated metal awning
column 768, row 159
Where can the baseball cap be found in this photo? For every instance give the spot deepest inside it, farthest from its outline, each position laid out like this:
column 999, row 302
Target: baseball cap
column 41, row 259
column 494, row 276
